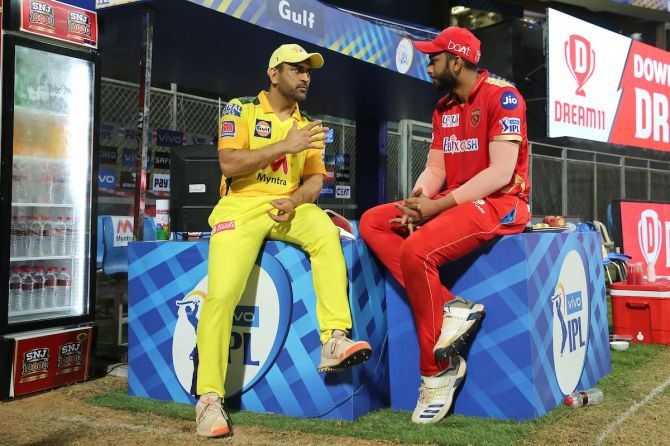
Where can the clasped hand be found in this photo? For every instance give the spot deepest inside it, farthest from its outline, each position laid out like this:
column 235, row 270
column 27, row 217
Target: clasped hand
column 416, row 210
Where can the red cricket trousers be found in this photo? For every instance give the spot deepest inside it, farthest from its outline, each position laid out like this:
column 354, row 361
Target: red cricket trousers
column 414, row 259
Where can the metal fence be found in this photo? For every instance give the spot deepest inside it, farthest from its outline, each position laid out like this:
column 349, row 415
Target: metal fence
column 564, row 180
column 172, row 110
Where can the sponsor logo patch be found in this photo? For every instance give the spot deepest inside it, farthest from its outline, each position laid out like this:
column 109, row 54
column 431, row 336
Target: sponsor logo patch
column 509, row 100
column 263, row 129
column 228, row 129
column 510, row 125
column 232, row 110
column 452, row 144
column 449, row 121
column 224, row 226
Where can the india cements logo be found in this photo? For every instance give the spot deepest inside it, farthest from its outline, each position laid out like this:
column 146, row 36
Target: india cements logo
column 260, row 326
column 570, row 306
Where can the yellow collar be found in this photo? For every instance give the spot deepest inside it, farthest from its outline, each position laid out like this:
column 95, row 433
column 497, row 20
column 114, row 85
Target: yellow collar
column 267, row 108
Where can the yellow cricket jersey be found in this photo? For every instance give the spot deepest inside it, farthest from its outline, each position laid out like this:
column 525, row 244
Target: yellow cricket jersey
column 249, row 123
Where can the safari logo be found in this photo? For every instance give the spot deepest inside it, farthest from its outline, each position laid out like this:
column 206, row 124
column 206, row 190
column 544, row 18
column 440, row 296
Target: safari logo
column 570, row 307
column 259, row 330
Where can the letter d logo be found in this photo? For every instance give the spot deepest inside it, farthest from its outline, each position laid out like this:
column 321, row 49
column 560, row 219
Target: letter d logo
column 581, row 61
column 649, row 235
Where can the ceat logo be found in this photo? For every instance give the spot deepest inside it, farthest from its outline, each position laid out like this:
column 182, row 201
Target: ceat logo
column 581, row 61
column 259, row 329
column 649, row 234
column 570, row 306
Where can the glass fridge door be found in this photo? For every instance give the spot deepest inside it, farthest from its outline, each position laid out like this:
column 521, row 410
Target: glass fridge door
column 51, row 186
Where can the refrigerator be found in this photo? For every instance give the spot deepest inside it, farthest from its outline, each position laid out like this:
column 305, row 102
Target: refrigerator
column 50, row 97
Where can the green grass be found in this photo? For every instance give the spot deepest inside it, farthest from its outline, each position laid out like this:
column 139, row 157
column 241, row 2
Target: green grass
column 396, row 425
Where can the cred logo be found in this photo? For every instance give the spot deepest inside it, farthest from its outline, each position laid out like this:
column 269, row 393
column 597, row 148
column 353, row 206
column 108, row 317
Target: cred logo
column 581, row 61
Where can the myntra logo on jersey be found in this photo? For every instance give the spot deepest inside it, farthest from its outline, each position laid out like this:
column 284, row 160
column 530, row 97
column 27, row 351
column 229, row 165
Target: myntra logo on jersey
column 570, row 307
column 259, row 327
column 451, row 144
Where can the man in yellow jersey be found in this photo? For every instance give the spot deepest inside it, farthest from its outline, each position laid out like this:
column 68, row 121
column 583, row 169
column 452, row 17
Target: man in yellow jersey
column 271, row 155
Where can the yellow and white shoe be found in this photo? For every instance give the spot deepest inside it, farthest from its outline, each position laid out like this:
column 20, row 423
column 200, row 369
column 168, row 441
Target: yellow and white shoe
column 211, row 420
column 341, row 352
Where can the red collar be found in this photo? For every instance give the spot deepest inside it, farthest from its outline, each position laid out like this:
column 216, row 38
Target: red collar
column 451, row 99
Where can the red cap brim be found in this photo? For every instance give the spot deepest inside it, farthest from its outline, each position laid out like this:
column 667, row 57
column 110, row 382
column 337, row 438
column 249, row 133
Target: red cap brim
column 427, row 47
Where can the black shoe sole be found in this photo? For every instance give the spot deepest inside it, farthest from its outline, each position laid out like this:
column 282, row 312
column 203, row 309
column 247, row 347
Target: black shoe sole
column 356, row 358
column 442, row 354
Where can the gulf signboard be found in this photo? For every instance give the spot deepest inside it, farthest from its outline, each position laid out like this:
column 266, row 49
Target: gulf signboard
column 606, row 87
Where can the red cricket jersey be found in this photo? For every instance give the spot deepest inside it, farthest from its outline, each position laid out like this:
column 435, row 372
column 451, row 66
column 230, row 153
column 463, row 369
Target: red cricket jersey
column 494, row 111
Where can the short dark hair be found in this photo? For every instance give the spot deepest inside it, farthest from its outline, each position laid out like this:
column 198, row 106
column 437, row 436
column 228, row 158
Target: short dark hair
column 468, row 65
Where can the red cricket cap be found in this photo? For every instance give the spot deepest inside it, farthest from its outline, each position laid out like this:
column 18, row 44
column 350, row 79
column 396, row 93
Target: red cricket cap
column 458, row 41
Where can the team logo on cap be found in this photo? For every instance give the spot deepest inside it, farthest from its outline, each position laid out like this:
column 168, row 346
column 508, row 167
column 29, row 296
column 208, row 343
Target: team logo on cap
column 263, row 129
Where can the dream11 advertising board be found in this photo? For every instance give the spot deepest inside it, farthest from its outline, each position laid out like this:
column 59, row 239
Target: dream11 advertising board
column 642, row 230
column 606, row 87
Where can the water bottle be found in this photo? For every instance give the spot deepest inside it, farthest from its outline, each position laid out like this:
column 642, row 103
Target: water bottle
column 15, row 292
column 50, row 284
column 59, row 237
column 63, row 288
column 58, row 189
column 21, row 237
column 38, row 288
column 27, row 286
column 584, row 397
column 651, row 272
column 47, row 236
column 19, row 182
column 46, row 188
column 35, row 238
column 14, row 238
column 69, row 236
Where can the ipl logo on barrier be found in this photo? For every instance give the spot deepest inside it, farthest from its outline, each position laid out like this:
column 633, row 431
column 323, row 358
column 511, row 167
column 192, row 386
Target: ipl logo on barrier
column 581, row 61
column 260, row 326
column 649, row 234
column 570, row 306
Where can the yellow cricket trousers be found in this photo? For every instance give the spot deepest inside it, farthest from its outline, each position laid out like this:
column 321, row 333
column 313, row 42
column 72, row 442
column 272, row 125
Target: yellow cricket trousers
column 243, row 225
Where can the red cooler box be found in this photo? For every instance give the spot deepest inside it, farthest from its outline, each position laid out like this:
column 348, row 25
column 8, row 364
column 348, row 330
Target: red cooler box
column 642, row 311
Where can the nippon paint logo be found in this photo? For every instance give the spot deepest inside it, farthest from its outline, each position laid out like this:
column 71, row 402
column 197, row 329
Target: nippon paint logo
column 260, row 326
column 570, row 307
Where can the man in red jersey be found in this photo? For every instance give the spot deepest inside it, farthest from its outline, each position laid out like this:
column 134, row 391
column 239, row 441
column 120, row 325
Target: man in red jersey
column 480, row 150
